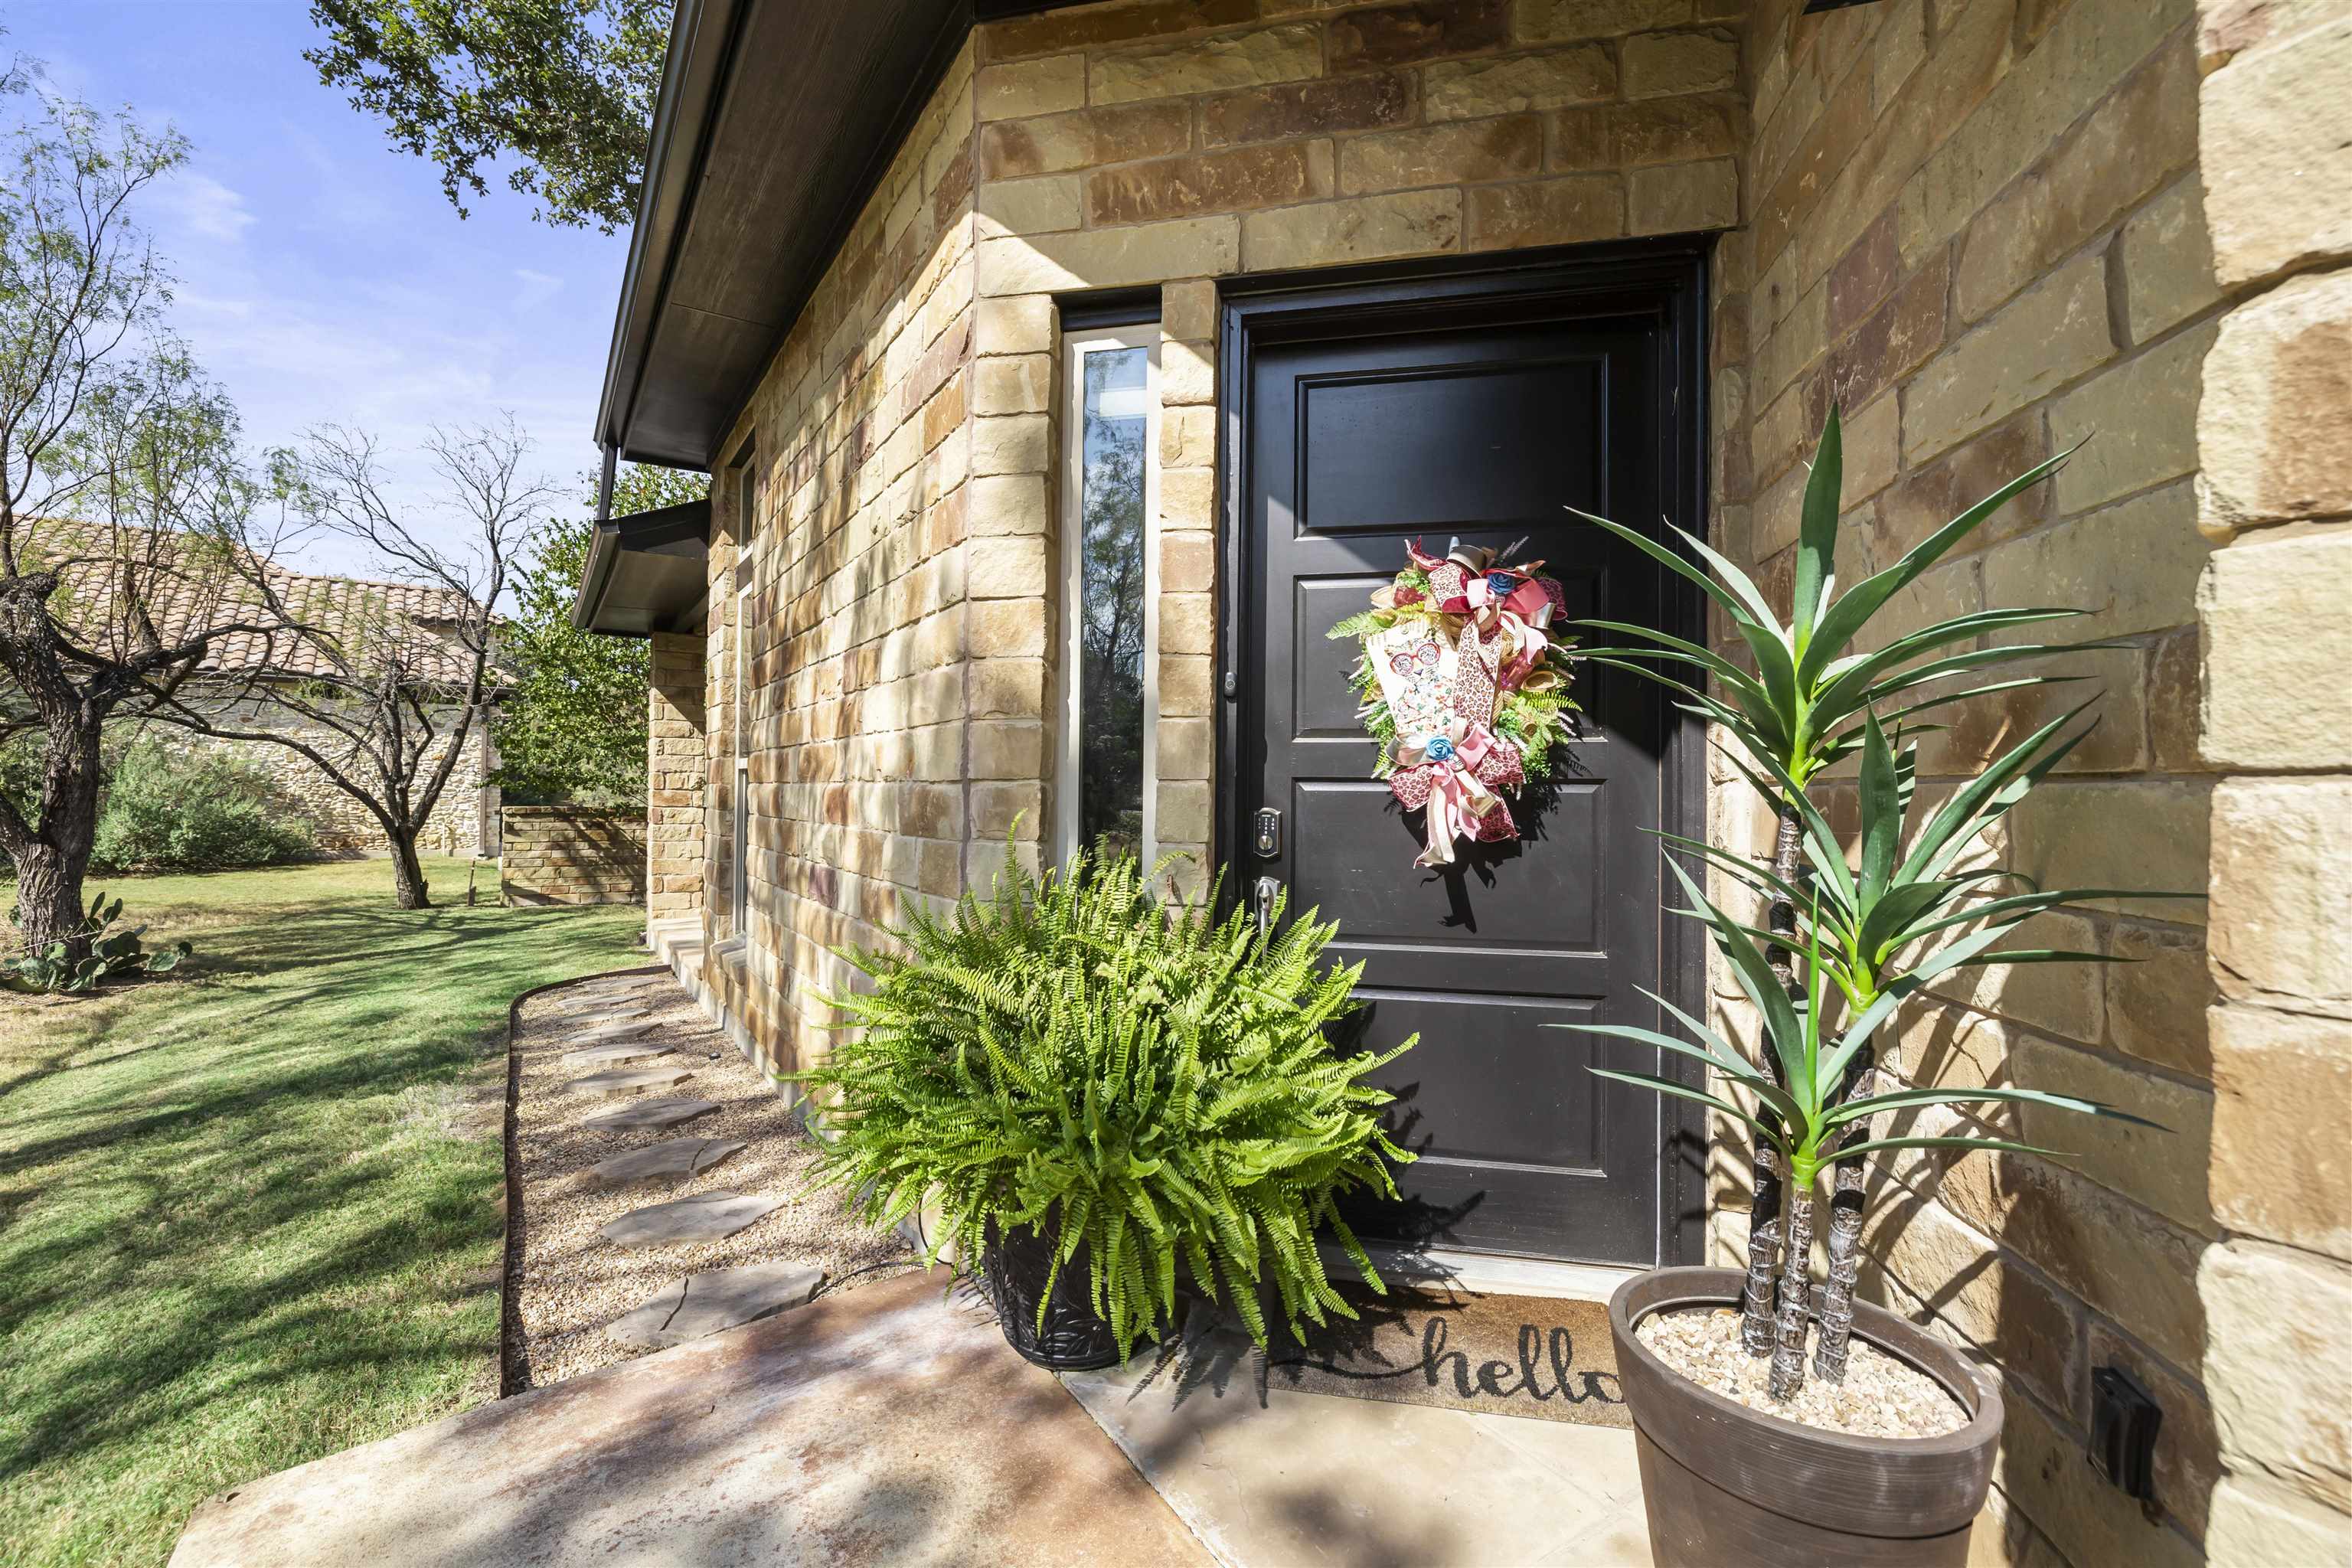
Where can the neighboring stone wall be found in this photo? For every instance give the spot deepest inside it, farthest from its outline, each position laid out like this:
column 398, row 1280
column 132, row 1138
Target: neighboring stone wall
column 677, row 764
column 2275, row 439
column 571, row 855
column 1978, row 227
column 463, row 821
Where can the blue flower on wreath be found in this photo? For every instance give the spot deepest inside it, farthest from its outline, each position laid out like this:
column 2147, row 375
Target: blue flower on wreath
column 1438, row 748
column 1500, row 583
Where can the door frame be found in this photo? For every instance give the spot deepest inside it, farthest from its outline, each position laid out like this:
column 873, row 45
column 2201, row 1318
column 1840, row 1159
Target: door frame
column 1664, row 277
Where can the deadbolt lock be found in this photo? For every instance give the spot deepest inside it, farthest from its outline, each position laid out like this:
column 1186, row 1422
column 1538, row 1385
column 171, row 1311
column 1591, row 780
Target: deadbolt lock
column 1265, row 835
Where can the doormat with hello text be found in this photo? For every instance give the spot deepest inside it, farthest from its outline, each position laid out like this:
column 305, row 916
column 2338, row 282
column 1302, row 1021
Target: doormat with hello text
column 1509, row 1355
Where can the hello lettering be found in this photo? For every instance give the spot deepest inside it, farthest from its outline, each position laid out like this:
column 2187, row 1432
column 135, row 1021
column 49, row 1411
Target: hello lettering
column 1501, row 1380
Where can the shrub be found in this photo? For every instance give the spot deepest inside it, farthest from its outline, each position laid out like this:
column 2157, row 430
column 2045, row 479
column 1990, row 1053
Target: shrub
column 169, row 810
column 1069, row 1056
column 55, row 971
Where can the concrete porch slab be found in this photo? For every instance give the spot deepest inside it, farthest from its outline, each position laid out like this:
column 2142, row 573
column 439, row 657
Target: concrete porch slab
column 886, row 1425
column 1268, row 1478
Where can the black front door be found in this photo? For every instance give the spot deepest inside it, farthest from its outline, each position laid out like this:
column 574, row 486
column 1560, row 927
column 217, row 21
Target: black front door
column 1476, row 417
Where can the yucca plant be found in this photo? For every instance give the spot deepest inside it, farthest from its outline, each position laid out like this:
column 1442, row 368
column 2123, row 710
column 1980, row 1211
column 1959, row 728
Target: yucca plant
column 1805, row 707
column 1152, row 1086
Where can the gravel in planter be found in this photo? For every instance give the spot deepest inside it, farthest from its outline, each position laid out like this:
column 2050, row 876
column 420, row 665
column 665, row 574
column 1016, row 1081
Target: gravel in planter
column 572, row 1282
column 1881, row 1396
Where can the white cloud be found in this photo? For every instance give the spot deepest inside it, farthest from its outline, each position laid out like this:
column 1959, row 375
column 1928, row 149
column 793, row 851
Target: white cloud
column 537, row 287
column 197, row 204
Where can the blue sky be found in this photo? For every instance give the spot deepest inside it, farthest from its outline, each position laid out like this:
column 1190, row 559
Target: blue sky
column 324, row 276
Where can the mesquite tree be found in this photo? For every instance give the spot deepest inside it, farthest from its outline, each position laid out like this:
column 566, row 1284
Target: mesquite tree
column 1809, row 702
column 123, row 508
column 385, row 682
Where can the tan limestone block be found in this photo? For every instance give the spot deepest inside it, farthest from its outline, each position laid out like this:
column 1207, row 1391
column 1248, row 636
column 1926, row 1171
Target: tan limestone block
column 1801, row 338
column 1188, row 311
column 1357, row 102
column 2134, row 566
column 1664, row 65
column 1184, row 681
column 2041, row 1469
column 1008, row 687
column 2006, row 1312
column 2278, row 645
column 1000, row 505
column 2165, row 1169
column 1207, row 65
column 1186, row 811
column 1007, row 628
column 996, row 806
column 1013, row 325
column 1680, row 198
column 2135, row 424
column 1871, row 443
column 2279, row 859
column 2276, row 166
column 2045, row 338
column 2251, row 1520
column 1054, row 142
column 1186, row 748
column 1188, row 436
column 1923, row 499
column 1367, row 228
column 1188, row 499
column 1472, row 89
column 1188, row 562
column 1421, row 30
column 2147, row 833
column 1030, row 207
column 2282, row 1098
column 2068, row 1000
column 2271, row 426
column 1111, row 258
column 1007, row 568
column 2282, row 1390
column 1011, row 444
column 1459, row 152
column 1569, row 21
column 1188, row 376
column 1236, row 180
column 1031, row 87
column 2166, row 261
column 1604, row 136
column 1565, row 211
column 1187, row 623
column 1013, row 384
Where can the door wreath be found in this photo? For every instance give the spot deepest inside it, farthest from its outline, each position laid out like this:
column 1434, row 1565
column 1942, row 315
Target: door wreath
column 1463, row 688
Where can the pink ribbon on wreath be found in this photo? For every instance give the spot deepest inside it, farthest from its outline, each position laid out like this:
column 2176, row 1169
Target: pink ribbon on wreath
column 1454, row 774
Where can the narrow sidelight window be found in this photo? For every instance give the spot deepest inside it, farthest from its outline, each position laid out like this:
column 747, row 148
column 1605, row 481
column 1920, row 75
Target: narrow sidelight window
column 747, row 569
column 1109, row 616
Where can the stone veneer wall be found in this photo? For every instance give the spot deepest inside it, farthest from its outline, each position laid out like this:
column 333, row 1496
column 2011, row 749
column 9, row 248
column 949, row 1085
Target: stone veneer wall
column 1977, row 227
column 677, row 762
column 571, row 855
column 463, row 821
column 2274, row 446
column 1976, row 224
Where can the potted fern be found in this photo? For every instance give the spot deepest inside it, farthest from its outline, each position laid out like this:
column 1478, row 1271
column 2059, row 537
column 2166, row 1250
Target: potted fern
column 1118, row 1102
column 1741, row 1459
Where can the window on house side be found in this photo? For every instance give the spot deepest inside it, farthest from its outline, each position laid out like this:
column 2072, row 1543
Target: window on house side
column 1109, row 590
column 747, row 559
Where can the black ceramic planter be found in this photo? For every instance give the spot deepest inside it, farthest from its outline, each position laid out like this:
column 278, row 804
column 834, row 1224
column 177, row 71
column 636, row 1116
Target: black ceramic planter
column 1015, row 1266
column 1725, row 1483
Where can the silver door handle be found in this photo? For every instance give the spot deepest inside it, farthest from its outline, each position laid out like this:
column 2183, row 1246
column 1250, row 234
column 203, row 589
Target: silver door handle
column 1263, row 893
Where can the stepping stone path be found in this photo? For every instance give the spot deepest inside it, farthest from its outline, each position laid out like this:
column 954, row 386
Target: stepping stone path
column 674, row 1161
column 719, row 1299
column 706, row 1216
column 663, row 1111
column 613, row 1055
column 604, row 1033
column 628, row 1081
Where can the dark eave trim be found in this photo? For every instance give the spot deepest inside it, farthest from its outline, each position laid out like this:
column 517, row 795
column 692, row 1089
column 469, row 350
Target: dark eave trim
column 663, row 540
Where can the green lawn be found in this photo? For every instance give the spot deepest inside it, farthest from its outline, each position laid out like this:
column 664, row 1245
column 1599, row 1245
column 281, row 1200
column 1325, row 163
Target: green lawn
column 240, row 1225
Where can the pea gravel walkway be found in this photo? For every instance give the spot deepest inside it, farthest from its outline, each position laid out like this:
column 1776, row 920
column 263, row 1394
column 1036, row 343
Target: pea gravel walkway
column 572, row 1282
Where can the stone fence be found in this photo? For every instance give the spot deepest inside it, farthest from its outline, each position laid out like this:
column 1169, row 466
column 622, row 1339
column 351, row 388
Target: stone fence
column 571, row 855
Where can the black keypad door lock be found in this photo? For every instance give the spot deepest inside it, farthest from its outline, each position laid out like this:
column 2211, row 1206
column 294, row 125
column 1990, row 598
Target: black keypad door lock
column 1266, row 833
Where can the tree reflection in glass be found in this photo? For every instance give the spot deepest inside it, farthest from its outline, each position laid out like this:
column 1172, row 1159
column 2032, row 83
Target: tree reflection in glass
column 1111, row 598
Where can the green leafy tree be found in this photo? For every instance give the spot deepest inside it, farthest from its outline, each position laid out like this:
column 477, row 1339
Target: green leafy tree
column 572, row 726
column 566, row 89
